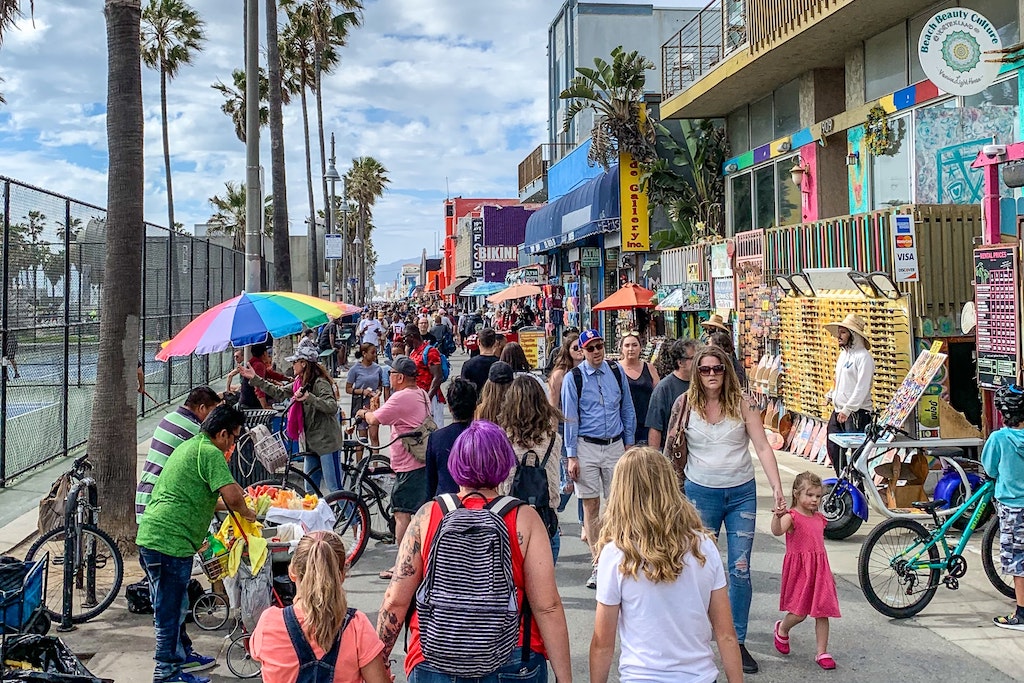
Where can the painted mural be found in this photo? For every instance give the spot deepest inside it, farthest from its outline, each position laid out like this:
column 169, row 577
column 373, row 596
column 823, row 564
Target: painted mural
column 858, row 173
column 946, row 141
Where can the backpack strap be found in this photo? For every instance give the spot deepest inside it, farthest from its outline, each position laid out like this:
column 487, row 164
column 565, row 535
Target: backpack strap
column 449, row 502
column 617, row 371
column 547, row 455
column 577, row 378
column 502, row 505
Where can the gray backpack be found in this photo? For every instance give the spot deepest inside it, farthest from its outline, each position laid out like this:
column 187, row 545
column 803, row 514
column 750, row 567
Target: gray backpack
column 468, row 606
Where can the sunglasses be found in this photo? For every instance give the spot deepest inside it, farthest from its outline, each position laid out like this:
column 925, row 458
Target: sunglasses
column 632, row 333
column 711, row 369
column 574, row 347
column 594, row 347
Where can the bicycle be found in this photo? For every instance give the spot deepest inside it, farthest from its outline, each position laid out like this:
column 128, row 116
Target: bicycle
column 373, row 480
column 899, row 567
column 88, row 560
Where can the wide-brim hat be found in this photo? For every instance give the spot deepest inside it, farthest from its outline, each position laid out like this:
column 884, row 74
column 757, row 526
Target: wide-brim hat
column 716, row 322
column 854, row 323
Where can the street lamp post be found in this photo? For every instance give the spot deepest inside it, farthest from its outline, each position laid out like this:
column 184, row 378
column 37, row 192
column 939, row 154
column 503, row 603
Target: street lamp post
column 332, row 177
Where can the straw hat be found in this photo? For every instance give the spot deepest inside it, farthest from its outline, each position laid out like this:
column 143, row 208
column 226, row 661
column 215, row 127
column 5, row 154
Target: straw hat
column 855, row 324
column 717, row 322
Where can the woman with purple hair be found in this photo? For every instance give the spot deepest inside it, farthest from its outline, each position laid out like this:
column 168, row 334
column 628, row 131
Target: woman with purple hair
column 480, row 461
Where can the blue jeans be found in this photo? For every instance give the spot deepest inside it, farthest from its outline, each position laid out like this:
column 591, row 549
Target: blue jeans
column 534, row 671
column 168, row 586
column 556, row 545
column 737, row 507
column 325, row 471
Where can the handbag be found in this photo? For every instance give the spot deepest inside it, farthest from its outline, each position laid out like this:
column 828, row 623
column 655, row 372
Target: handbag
column 676, row 447
column 416, row 441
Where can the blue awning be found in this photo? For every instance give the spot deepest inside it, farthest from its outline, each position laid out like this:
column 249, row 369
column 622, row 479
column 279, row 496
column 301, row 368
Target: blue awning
column 580, row 213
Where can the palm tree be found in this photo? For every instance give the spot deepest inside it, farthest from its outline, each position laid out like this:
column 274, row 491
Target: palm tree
column 234, row 100
column 10, row 10
column 172, row 33
column 229, row 218
column 278, row 94
column 615, row 93
column 112, row 429
column 366, row 181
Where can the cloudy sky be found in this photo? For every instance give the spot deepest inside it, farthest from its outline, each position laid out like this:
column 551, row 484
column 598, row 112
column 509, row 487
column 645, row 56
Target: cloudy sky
column 440, row 91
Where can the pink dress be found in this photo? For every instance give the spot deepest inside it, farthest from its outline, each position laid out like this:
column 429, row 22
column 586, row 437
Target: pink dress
column 808, row 587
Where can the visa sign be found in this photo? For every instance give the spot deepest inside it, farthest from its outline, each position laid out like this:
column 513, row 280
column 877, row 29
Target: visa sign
column 907, row 268
column 636, row 226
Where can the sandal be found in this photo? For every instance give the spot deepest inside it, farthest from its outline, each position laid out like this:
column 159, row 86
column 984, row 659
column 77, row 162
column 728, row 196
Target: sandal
column 387, row 574
column 781, row 644
column 825, row 661
column 1012, row 621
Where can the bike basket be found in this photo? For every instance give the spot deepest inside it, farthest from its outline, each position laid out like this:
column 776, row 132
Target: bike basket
column 216, row 567
column 269, row 449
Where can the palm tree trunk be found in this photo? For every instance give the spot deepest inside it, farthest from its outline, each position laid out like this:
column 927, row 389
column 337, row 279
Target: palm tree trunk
column 362, row 255
column 167, row 147
column 309, row 162
column 323, row 154
column 112, row 440
column 282, row 251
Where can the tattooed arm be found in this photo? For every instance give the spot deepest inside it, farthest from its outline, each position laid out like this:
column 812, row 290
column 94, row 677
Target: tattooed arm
column 407, row 577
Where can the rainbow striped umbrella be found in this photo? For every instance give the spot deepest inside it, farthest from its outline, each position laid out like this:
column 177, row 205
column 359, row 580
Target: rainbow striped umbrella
column 249, row 319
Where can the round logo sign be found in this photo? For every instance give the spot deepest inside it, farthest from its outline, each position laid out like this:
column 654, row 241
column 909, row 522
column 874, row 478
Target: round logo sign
column 955, row 48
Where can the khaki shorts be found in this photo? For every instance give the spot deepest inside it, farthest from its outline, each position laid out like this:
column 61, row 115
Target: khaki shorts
column 597, row 463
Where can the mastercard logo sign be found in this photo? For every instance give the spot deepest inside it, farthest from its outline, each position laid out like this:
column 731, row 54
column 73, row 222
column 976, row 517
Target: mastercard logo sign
column 904, row 241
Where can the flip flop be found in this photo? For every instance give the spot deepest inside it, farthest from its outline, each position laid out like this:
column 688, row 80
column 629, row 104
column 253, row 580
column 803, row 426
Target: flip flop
column 825, row 661
column 781, row 644
column 387, row 574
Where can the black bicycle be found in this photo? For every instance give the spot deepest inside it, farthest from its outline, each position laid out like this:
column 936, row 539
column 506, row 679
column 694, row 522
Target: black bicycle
column 368, row 473
column 83, row 555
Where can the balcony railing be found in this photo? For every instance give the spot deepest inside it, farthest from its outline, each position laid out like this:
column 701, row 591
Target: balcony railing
column 717, row 30
column 532, row 167
column 771, row 21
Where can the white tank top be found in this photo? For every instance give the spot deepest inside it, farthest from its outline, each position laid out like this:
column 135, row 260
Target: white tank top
column 718, row 453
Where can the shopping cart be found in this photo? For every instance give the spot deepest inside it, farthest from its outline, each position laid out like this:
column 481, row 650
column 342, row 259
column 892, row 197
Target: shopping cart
column 22, row 586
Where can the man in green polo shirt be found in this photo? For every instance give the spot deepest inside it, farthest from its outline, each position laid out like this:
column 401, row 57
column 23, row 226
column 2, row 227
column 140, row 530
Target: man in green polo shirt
column 174, row 525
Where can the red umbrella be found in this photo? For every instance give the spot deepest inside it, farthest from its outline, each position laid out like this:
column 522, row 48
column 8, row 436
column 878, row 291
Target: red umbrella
column 629, row 295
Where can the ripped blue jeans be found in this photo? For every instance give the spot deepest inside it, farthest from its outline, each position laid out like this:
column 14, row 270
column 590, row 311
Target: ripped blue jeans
column 737, row 507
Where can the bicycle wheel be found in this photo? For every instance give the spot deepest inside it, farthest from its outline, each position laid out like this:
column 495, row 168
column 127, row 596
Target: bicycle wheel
column 375, row 489
column 211, row 611
column 293, row 479
column 991, row 561
column 98, row 572
column 888, row 583
column 958, row 498
column 351, row 522
column 238, row 659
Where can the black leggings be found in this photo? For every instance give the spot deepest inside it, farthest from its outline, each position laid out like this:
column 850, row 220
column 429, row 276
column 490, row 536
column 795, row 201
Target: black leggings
column 855, row 423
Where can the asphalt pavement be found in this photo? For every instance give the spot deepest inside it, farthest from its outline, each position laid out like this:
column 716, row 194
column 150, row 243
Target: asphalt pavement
column 953, row 639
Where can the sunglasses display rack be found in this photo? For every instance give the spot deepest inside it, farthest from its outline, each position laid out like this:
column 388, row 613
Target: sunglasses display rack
column 757, row 312
column 809, row 352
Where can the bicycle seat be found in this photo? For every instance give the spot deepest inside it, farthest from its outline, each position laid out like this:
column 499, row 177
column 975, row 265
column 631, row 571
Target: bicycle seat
column 930, row 506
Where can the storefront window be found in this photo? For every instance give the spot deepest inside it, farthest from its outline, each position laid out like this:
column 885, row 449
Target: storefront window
column 742, row 207
column 885, row 62
column 737, row 127
column 890, row 174
column 916, row 26
column 787, row 109
column 1003, row 16
column 764, row 197
column 790, row 197
column 762, row 126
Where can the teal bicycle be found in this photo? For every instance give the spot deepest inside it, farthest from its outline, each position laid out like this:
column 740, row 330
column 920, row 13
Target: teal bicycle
column 902, row 563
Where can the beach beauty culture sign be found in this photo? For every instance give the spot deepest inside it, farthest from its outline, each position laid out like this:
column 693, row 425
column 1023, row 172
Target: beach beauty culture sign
column 956, row 51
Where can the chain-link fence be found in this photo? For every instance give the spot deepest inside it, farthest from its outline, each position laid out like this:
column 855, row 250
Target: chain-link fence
column 53, row 257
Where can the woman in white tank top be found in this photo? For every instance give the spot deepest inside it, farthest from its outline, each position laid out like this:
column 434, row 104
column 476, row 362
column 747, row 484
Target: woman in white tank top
column 720, row 473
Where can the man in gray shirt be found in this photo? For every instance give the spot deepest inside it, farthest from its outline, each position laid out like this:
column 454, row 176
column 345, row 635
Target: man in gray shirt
column 669, row 389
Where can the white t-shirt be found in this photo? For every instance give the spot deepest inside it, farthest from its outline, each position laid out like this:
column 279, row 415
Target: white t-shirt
column 371, row 330
column 664, row 629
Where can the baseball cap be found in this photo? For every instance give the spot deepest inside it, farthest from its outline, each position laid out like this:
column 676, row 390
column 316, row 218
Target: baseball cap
column 404, row 365
column 305, row 353
column 501, row 373
column 588, row 336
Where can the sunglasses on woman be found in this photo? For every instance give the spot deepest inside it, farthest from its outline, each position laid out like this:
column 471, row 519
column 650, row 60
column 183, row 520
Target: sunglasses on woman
column 711, row 369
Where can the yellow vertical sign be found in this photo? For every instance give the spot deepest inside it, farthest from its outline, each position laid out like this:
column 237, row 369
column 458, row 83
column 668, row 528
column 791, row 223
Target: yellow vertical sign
column 636, row 225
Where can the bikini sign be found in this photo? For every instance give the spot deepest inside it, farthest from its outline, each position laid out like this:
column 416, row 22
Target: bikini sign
column 905, row 249
column 956, row 49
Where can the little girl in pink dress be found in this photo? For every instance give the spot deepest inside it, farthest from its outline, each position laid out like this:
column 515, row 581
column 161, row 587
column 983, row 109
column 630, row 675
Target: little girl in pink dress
column 808, row 587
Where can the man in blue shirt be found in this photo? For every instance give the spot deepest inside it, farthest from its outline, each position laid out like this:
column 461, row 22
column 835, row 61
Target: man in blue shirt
column 600, row 425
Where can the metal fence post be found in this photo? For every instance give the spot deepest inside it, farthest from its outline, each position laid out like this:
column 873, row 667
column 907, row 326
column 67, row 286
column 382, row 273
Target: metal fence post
column 4, row 319
column 67, row 321
column 170, row 312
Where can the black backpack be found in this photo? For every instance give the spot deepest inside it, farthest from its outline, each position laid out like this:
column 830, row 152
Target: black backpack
column 577, row 378
column 530, row 485
column 324, row 340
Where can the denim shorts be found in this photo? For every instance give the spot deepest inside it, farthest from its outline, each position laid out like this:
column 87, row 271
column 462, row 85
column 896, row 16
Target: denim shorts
column 1011, row 539
column 534, row 671
column 410, row 492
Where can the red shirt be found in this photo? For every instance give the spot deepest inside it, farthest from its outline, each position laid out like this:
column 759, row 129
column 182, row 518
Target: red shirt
column 414, row 655
column 424, row 378
column 266, row 372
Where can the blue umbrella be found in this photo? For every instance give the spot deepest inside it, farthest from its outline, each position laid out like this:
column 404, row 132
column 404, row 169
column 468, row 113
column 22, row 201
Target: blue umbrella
column 484, row 288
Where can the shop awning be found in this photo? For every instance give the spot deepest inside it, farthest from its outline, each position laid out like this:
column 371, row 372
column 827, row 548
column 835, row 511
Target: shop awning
column 672, row 302
column 587, row 210
column 456, row 286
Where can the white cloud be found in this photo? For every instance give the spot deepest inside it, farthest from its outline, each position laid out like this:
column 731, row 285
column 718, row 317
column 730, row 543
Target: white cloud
column 431, row 88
